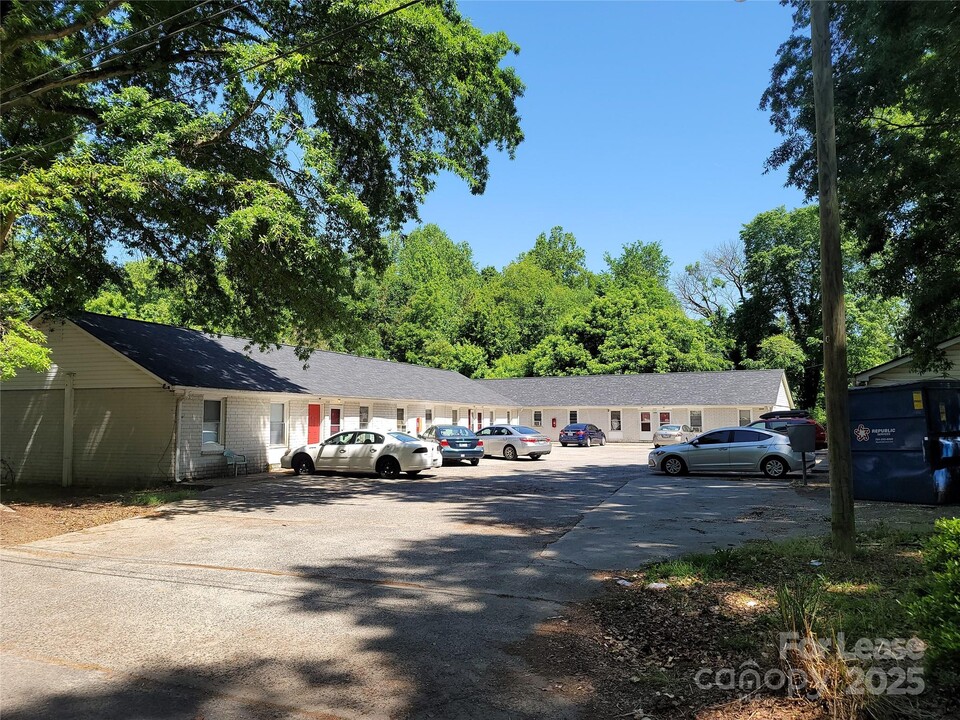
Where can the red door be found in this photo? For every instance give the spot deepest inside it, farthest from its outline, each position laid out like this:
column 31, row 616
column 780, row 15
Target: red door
column 334, row 421
column 313, row 423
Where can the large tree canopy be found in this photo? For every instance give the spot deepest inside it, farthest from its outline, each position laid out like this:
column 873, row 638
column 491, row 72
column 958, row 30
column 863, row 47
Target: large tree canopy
column 257, row 150
column 897, row 95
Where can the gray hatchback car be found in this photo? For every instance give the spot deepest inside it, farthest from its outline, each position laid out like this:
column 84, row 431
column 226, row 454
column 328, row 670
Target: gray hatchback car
column 734, row 449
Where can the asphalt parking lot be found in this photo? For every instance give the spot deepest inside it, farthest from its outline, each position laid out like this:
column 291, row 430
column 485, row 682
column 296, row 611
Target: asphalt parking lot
column 331, row 597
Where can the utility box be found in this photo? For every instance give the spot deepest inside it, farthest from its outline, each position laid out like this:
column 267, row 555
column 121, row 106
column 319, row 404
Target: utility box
column 905, row 442
column 803, row 438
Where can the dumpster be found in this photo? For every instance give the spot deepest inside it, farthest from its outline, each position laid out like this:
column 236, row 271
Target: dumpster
column 905, row 442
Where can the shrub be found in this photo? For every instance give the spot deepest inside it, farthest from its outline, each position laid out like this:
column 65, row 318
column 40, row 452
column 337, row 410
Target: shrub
column 938, row 610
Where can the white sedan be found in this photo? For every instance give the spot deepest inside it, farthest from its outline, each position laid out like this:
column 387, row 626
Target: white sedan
column 513, row 440
column 386, row 454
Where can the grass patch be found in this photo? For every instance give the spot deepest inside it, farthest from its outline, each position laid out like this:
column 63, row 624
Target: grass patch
column 725, row 609
column 152, row 498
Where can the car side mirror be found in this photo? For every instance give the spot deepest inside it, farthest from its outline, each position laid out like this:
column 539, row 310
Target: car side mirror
column 695, row 443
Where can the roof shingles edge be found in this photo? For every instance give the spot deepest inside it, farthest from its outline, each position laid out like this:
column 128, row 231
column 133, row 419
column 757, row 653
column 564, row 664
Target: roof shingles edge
column 688, row 389
column 190, row 358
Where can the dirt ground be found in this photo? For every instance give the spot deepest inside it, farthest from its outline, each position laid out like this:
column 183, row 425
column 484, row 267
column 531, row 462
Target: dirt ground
column 28, row 514
column 634, row 652
column 25, row 523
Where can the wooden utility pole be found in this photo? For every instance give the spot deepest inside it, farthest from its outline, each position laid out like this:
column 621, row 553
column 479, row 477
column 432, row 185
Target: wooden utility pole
column 843, row 529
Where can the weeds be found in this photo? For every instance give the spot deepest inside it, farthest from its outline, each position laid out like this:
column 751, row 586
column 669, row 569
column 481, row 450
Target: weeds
column 159, row 497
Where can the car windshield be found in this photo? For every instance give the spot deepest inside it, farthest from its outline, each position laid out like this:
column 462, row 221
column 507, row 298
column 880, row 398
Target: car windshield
column 446, row 432
column 523, row 430
column 670, row 427
column 403, row 437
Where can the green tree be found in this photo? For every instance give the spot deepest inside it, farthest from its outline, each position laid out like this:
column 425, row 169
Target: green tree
column 516, row 309
column 897, row 99
column 779, row 352
column 262, row 148
column 783, row 275
column 559, row 254
column 137, row 293
column 424, row 294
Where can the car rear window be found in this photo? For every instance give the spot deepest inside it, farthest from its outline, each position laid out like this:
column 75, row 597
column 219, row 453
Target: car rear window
column 576, row 426
column 403, row 437
column 453, row 432
column 670, row 427
column 523, row 430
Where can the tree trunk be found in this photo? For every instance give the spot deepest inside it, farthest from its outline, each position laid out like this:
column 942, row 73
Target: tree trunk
column 843, row 529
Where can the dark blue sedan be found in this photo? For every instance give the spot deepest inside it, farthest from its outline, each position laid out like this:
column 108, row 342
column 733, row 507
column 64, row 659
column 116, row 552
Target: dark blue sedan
column 583, row 434
column 456, row 443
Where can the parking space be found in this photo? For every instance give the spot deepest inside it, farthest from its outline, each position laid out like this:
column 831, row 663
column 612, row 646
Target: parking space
column 351, row 597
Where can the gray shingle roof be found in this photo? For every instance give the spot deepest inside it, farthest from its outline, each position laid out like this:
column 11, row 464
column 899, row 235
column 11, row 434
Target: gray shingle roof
column 729, row 387
column 190, row 358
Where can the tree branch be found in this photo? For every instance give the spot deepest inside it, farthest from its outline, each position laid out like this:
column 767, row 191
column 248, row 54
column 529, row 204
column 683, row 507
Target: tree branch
column 251, row 108
column 86, row 78
column 911, row 126
column 63, row 32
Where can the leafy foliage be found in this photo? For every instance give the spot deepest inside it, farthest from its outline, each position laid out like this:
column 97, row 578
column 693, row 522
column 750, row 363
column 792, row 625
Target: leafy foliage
column 939, row 609
column 897, row 100
column 256, row 151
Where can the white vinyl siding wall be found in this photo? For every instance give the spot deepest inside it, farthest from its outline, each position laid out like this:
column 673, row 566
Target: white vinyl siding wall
column 96, row 365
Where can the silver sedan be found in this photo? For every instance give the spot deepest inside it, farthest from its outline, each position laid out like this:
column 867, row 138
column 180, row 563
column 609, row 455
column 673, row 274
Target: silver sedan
column 511, row 441
column 672, row 434
column 730, row 450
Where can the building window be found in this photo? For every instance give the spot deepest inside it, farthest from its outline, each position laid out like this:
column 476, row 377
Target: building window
column 401, row 421
column 509, row 417
column 490, row 416
column 454, row 417
column 428, row 416
column 644, row 422
column 364, row 417
column 278, row 428
column 696, row 420
column 744, row 417
column 574, row 415
column 615, row 420
column 212, row 433
column 664, row 418
column 537, row 418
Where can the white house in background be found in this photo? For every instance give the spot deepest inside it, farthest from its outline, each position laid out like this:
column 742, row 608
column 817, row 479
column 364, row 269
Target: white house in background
column 630, row 408
column 901, row 370
column 127, row 402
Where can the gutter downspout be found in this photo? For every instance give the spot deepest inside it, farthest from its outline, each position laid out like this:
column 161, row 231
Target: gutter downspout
column 176, row 436
column 66, row 478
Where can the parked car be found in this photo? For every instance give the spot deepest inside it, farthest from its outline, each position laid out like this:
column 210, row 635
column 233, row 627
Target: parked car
column 511, row 441
column 672, row 434
column 730, row 449
column 387, row 454
column 780, row 419
column 582, row 434
column 456, row 443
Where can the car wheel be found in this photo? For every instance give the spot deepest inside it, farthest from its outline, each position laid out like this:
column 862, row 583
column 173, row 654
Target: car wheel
column 587, row 443
column 534, row 456
column 388, row 467
column 413, row 473
column 774, row 467
column 510, row 452
column 673, row 465
column 475, row 462
column 563, row 444
column 302, row 465
column 603, row 440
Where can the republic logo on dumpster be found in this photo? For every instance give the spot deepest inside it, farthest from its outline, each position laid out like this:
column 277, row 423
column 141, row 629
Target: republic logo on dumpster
column 862, row 433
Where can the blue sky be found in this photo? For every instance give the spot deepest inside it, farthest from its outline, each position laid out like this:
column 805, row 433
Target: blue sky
column 641, row 123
